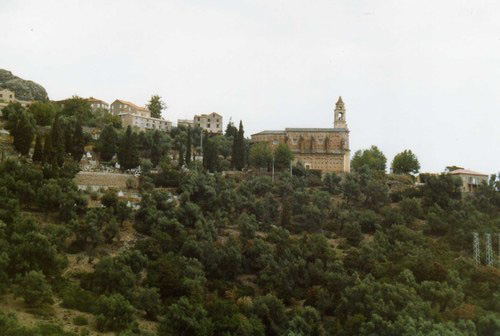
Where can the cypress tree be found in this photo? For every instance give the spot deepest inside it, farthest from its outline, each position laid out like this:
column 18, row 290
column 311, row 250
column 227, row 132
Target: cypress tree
column 234, row 152
column 58, row 142
column 38, row 152
column 188, row 146
column 155, row 149
column 108, row 143
column 205, row 150
column 48, row 153
column 240, row 150
column 25, row 132
column 128, row 155
column 77, row 142
column 181, row 156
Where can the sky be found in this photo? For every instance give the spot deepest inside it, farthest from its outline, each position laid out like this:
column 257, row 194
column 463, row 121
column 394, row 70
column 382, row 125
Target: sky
column 420, row 75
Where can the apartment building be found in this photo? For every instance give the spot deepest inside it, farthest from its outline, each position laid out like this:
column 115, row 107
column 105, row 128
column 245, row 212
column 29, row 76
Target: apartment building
column 138, row 116
column 212, row 122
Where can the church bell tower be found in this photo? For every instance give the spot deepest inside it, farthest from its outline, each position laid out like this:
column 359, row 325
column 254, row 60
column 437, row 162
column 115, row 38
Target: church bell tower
column 339, row 116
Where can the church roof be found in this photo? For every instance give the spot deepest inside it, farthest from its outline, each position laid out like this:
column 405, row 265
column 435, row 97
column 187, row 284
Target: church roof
column 315, row 130
column 340, row 100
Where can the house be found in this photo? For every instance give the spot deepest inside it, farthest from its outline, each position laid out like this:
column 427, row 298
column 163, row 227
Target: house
column 7, row 96
column 136, row 116
column 212, row 122
column 471, row 180
column 97, row 103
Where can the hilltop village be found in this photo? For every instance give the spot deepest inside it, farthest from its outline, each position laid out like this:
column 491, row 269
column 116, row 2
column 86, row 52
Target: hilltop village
column 113, row 220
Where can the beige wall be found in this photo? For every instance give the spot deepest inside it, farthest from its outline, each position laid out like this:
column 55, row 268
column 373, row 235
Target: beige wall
column 470, row 183
column 318, row 149
column 119, row 107
column 212, row 122
column 145, row 123
column 7, row 96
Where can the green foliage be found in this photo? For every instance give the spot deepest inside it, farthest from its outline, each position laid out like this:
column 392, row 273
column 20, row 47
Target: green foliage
column 77, row 143
column 24, row 133
column 38, row 151
column 282, row 156
column 108, row 142
column 80, row 320
column 156, row 105
column 371, row 158
column 405, row 163
column 34, row 289
column 57, row 144
column 185, row 318
column 128, row 155
column 238, row 150
column 114, row 313
column 260, row 155
column 43, row 112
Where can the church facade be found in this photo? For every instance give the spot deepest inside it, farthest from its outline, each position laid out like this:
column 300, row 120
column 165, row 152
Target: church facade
column 323, row 149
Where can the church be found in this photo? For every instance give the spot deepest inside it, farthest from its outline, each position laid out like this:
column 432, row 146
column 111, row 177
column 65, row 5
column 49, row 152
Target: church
column 322, row 149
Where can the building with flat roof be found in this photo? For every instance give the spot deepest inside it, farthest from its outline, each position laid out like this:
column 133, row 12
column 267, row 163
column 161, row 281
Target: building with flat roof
column 185, row 122
column 323, row 149
column 471, row 180
column 212, row 122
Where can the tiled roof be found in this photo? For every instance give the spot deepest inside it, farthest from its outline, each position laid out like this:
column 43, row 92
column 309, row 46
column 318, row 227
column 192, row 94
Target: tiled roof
column 95, row 100
column 132, row 105
column 270, row 132
column 315, row 129
column 466, row 172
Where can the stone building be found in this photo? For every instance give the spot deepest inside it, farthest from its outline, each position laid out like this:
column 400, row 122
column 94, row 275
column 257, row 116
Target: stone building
column 212, row 122
column 470, row 180
column 7, row 96
column 323, row 149
column 137, row 116
column 97, row 103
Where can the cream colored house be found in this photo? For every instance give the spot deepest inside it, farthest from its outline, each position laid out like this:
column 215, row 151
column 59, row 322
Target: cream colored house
column 323, row 149
column 470, row 180
column 7, row 96
column 212, row 122
column 137, row 116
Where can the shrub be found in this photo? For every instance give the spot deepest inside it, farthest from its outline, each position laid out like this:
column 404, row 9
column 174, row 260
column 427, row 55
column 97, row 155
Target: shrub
column 114, row 313
column 34, row 289
column 80, row 320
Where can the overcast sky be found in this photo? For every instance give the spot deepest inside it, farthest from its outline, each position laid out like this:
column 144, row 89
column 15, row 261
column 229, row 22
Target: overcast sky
column 419, row 75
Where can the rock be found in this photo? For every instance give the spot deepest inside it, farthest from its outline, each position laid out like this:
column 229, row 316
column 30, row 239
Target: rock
column 24, row 89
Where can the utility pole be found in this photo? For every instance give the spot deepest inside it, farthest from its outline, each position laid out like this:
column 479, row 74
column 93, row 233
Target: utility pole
column 291, row 174
column 489, row 250
column 475, row 248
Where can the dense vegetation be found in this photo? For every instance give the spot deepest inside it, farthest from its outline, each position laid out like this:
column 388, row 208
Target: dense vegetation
column 239, row 254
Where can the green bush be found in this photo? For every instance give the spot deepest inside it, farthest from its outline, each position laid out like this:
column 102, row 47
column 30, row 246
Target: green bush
column 74, row 297
column 80, row 320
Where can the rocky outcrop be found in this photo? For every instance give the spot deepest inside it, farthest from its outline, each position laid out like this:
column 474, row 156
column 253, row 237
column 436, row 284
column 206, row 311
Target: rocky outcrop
column 24, row 89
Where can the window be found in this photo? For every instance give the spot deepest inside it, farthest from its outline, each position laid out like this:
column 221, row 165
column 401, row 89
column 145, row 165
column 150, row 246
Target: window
column 217, row 125
column 208, row 121
column 1, row 95
column 208, row 125
column 275, row 141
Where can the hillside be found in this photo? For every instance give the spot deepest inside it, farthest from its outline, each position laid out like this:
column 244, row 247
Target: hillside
column 24, row 89
column 177, row 246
